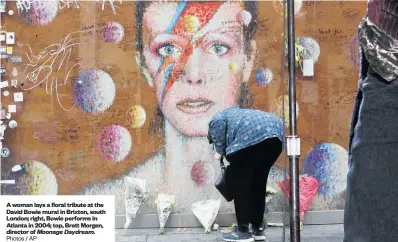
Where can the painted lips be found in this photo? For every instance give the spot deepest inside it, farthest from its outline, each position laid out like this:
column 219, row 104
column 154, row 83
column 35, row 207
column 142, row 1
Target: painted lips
column 194, row 106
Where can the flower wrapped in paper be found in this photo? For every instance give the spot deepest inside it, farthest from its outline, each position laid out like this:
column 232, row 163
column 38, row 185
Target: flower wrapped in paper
column 136, row 194
column 308, row 189
column 164, row 205
column 206, row 212
column 270, row 192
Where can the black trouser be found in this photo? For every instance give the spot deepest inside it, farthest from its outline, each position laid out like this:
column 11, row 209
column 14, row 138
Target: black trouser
column 247, row 179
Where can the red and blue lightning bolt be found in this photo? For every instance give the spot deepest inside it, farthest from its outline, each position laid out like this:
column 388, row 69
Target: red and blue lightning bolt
column 203, row 12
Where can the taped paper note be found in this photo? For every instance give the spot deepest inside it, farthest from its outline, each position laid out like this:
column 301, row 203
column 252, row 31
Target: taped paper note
column 9, row 50
column 3, row 84
column 12, row 108
column 308, row 67
column 18, row 97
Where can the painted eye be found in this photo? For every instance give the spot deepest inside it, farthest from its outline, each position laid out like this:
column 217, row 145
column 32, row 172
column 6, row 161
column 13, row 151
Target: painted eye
column 168, row 50
column 218, row 49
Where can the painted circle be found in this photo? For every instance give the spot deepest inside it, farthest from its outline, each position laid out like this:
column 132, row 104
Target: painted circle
column 136, row 116
column 191, row 23
column 277, row 107
column 244, row 17
column 114, row 143
column 313, row 50
column 354, row 51
column 40, row 12
column 32, row 178
column 202, row 173
column 278, row 4
column 264, row 77
column 328, row 163
column 6, row 93
column 94, row 91
column 113, row 32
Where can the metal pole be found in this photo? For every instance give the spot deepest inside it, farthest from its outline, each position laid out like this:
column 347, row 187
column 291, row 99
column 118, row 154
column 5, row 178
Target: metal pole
column 293, row 142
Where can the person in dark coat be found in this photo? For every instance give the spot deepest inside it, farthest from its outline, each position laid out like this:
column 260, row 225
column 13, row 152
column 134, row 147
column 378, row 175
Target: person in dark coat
column 371, row 213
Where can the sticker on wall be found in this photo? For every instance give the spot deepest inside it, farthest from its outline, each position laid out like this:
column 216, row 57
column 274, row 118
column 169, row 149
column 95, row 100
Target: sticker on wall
column 9, row 50
column 10, row 38
column 5, row 152
column 308, row 67
column 3, row 50
column 14, row 83
column 15, row 59
column 3, row 127
column 8, row 115
column 2, row 37
column 16, row 168
column 32, row 178
column 328, row 163
column 94, row 91
column 18, row 97
column 3, row 72
column 264, row 76
column 3, row 114
column 114, row 143
column 14, row 71
column 136, row 116
column 3, row 6
column 12, row 124
column 6, row 93
column 3, row 84
column 39, row 12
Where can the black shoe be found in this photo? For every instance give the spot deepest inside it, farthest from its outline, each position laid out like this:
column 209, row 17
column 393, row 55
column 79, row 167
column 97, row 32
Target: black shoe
column 258, row 234
column 237, row 235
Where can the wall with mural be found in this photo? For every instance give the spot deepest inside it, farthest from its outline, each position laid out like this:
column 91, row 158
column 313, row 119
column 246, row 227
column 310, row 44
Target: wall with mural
column 114, row 89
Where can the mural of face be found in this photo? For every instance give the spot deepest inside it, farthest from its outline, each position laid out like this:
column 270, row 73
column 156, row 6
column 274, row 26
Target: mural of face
column 195, row 56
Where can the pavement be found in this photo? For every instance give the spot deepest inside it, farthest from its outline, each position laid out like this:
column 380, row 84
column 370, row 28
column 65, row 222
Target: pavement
column 311, row 233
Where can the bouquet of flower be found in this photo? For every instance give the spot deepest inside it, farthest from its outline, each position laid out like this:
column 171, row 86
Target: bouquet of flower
column 308, row 188
column 299, row 51
column 270, row 192
column 164, row 205
column 206, row 212
column 135, row 194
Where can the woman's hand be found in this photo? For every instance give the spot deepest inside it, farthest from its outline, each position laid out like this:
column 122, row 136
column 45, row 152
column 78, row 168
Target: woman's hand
column 217, row 156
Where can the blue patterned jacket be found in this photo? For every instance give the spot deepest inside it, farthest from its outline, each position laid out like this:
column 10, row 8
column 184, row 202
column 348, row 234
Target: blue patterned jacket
column 234, row 129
